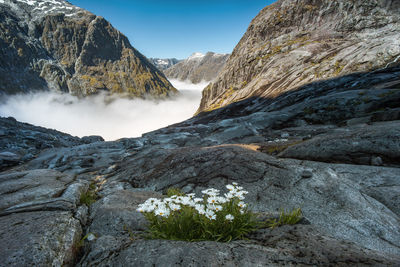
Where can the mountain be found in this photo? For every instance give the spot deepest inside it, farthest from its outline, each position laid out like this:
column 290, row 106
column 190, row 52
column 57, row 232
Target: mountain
column 198, row 67
column 329, row 146
column 291, row 43
column 164, row 63
column 53, row 44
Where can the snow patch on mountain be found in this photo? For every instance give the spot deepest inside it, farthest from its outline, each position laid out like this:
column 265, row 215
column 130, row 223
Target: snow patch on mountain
column 40, row 8
column 196, row 56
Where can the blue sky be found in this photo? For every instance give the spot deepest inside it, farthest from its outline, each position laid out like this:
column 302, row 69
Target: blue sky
column 176, row 28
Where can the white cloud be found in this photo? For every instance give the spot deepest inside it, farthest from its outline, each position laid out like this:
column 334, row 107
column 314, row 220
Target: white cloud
column 110, row 117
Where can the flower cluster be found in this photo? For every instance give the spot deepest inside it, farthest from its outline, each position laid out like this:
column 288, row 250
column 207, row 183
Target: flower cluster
column 211, row 217
column 208, row 206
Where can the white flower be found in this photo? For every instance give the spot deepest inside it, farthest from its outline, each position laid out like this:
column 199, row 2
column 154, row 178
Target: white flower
column 174, row 207
column 216, row 200
column 162, row 211
column 242, row 205
column 229, row 217
column 222, row 200
column 210, row 214
column 146, row 207
column 140, row 209
column 200, row 209
column 212, row 200
column 167, row 200
column 197, row 199
column 230, row 187
column 229, row 195
column 211, row 192
column 214, row 207
column 234, row 183
column 191, row 195
column 178, row 199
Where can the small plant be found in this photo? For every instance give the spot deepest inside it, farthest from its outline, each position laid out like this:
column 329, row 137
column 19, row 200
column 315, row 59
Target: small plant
column 130, row 232
column 90, row 196
column 78, row 244
column 292, row 217
column 211, row 217
column 172, row 191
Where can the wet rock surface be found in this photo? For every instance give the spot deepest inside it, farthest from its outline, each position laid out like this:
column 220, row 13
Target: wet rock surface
column 22, row 142
column 344, row 176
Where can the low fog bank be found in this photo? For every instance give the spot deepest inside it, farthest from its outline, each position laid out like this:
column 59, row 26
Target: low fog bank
column 110, row 117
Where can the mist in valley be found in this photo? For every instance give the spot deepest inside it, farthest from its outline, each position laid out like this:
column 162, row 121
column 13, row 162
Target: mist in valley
column 109, row 116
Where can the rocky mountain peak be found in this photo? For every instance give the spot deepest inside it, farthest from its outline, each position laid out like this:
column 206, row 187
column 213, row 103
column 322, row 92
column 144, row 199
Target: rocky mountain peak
column 40, row 8
column 164, row 63
column 291, row 43
column 54, row 44
column 198, row 67
column 195, row 56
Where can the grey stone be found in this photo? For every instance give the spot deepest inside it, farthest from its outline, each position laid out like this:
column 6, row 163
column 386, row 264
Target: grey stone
column 376, row 161
column 92, row 139
column 35, row 185
column 352, row 145
column 9, row 156
column 356, row 121
column 298, row 245
column 44, row 238
column 306, row 174
column 333, row 199
column 82, row 214
column 116, row 213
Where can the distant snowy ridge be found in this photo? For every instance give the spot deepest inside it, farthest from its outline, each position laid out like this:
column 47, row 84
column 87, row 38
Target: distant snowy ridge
column 196, row 56
column 198, row 67
column 164, row 63
column 41, row 8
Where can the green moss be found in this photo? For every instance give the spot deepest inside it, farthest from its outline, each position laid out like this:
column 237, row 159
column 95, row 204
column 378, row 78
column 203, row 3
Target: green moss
column 229, row 92
column 337, row 68
column 285, row 218
column 90, row 196
column 173, row 191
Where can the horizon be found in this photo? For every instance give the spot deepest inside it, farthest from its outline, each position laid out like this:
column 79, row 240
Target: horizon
column 175, row 28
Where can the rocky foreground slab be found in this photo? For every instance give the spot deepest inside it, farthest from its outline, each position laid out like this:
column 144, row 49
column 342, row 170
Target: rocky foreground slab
column 342, row 171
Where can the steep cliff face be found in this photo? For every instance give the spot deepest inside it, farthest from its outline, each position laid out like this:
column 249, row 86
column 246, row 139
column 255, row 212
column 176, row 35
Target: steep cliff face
column 198, row 67
column 291, row 43
column 53, row 44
